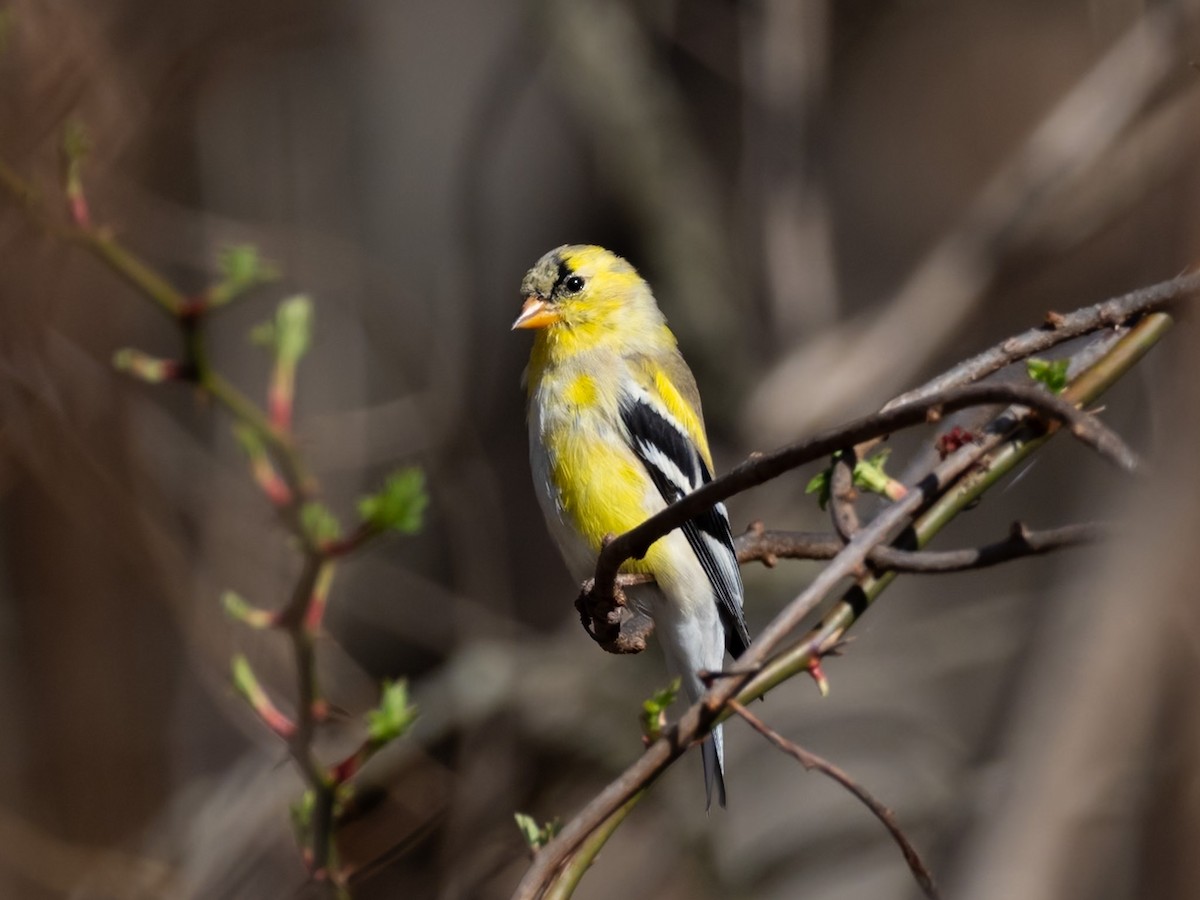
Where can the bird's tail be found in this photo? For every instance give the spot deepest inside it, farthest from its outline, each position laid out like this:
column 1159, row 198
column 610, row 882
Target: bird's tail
column 713, row 751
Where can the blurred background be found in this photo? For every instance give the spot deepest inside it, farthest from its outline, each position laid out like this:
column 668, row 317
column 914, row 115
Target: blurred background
column 832, row 200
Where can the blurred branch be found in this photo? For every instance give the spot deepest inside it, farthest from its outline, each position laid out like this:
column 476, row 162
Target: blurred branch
column 941, row 291
column 946, row 490
column 785, row 59
column 266, row 437
column 758, row 544
column 811, row 761
column 1099, row 757
column 634, row 113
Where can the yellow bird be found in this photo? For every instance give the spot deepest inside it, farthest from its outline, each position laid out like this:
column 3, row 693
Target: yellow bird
column 615, row 435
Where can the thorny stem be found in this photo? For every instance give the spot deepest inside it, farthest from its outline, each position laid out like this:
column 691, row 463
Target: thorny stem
column 761, row 545
column 1088, row 386
column 297, row 619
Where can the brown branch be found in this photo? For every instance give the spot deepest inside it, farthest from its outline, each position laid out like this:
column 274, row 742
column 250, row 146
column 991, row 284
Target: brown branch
column 812, row 761
column 1058, row 329
column 600, row 599
column 699, row 718
column 842, row 495
column 759, row 665
column 758, row 544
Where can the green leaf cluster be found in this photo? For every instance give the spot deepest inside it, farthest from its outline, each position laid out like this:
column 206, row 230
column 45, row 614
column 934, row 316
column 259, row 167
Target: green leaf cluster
column 1051, row 373
column 242, row 268
column 394, row 715
column 399, row 506
column 869, row 475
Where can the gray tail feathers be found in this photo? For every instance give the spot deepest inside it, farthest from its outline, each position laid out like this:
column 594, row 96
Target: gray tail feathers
column 714, row 768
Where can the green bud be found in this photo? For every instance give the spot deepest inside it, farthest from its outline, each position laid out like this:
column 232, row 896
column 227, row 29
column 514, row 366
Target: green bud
column 654, row 710
column 869, row 474
column 237, row 608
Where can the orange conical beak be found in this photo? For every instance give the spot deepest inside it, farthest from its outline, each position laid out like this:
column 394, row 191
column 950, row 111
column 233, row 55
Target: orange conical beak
column 536, row 313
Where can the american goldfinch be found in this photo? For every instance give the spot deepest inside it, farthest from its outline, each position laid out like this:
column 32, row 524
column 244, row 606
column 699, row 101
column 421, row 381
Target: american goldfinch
column 615, row 435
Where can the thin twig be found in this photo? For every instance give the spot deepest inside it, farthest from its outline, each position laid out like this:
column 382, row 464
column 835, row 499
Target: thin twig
column 767, row 546
column 696, row 721
column 633, row 544
column 842, row 495
column 1058, row 329
column 1001, row 459
column 812, row 761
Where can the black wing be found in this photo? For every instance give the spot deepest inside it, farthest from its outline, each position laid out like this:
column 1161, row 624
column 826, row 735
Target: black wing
column 676, row 468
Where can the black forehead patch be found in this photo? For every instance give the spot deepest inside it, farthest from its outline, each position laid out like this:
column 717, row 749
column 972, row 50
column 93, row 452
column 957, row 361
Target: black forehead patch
column 564, row 272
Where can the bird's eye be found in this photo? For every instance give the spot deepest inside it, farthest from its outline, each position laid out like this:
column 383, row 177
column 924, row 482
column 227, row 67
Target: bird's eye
column 573, row 285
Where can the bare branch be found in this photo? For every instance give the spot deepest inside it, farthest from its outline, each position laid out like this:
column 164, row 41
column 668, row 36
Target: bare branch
column 601, row 602
column 812, row 761
column 943, row 289
column 1058, row 329
column 757, row 671
column 760, row 544
column 842, row 495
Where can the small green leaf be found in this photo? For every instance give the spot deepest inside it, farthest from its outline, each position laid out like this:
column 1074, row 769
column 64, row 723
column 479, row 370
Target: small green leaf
column 241, row 264
column 144, row 367
column 536, row 837
column 288, row 334
column 241, row 268
column 819, row 485
column 400, row 506
column 394, row 715
column 1051, row 373
column 244, row 679
column 319, row 522
column 293, row 329
column 236, row 607
column 529, row 829
column 654, row 710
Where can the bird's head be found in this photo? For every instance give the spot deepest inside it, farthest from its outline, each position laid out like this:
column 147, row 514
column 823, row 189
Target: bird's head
column 587, row 295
